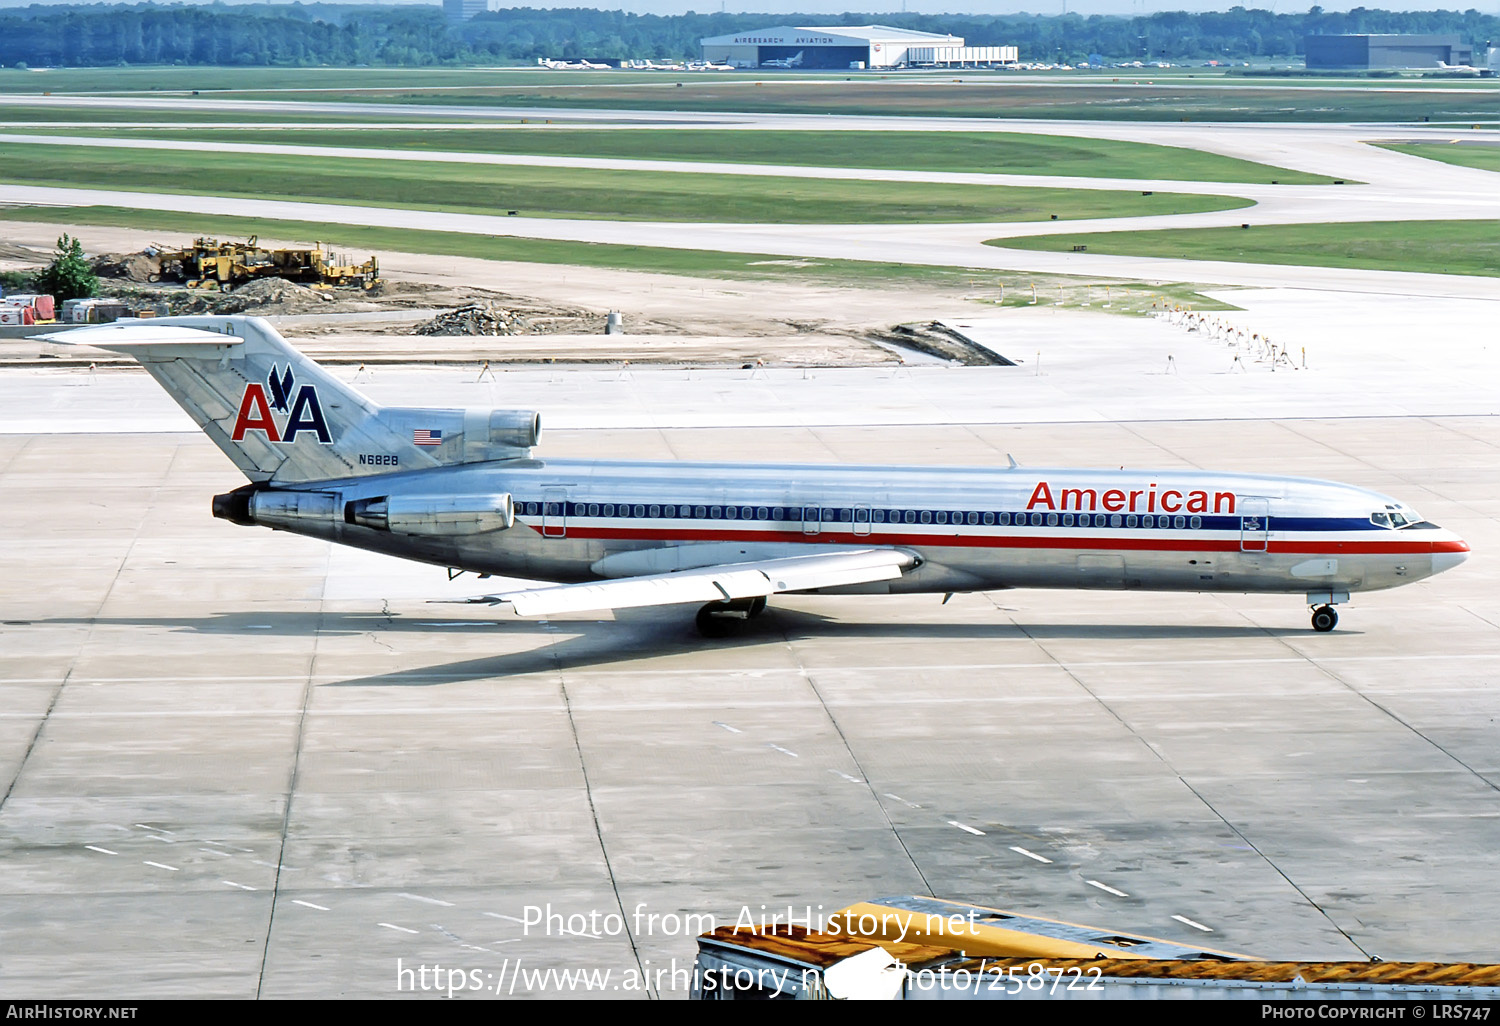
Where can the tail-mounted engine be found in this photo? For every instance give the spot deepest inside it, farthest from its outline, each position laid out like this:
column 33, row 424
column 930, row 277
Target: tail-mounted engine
column 307, row 511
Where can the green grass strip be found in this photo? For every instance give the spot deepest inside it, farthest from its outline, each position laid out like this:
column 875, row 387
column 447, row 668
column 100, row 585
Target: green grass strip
column 1138, row 98
column 1484, row 157
column 1438, row 247
column 985, row 152
column 572, row 192
column 357, row 240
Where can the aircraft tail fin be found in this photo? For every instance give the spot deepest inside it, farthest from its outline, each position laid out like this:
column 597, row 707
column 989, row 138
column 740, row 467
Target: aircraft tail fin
column 283, row 419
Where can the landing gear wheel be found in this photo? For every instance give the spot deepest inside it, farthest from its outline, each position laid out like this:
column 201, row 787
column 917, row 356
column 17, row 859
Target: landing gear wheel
column 1324, row 619
column 225, row 286
column 714, row 623
column 721, row 619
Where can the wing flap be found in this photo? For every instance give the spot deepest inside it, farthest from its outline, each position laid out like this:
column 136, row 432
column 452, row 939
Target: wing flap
column 716, row 583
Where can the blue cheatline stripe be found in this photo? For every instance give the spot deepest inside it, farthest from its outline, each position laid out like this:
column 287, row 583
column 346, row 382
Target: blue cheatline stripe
column 884, row 517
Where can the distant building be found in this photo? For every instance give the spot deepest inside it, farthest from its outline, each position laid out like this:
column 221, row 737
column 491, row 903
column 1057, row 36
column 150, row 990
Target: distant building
column 1392, row 51
column 844, row 46
column 463, row 10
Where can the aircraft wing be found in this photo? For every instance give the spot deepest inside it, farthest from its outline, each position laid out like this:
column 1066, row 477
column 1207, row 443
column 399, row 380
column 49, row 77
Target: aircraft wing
column 715, row 583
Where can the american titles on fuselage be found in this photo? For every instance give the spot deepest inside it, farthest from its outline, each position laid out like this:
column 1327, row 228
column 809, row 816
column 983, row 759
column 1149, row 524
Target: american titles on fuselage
column 1134, row 500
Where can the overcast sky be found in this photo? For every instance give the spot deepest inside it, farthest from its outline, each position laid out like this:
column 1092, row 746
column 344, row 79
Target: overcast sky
column 779, row 7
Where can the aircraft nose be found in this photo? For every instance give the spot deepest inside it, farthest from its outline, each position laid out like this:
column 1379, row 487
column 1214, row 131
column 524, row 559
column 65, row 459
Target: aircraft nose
column 1449, row 555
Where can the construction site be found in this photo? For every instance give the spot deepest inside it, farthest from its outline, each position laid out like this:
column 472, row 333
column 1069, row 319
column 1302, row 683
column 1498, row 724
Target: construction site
column 349, row 312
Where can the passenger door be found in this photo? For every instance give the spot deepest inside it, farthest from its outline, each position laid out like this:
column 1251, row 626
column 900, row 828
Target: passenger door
column 554, row 512
column 1255, row 525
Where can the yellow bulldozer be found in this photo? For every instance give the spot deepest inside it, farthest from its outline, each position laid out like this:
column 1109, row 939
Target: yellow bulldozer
column 224, row 266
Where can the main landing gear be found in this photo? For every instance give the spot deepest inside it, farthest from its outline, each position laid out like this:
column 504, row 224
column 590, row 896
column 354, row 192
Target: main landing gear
column 721, row 619
column 1324, row 619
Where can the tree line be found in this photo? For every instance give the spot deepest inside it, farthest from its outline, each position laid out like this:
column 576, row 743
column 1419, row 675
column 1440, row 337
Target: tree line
column 293, row 35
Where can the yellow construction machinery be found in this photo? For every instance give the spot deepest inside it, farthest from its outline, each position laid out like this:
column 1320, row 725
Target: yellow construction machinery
column 223, row 266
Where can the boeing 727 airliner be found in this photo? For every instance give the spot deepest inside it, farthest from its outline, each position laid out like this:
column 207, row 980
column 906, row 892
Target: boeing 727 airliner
column 461, row 489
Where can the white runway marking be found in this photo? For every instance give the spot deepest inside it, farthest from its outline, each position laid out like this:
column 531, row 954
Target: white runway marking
column 1031, row 854
column 159, row 865
column 1195, row 925
column 393, row 926
column 966, row 828
column 1107, row 888
column 102, row 851
column 221, row 854
column 903, row 801
column 429, row 901
column 732, row 730
column 243, row 887
column 783, row 751
column 308, row 904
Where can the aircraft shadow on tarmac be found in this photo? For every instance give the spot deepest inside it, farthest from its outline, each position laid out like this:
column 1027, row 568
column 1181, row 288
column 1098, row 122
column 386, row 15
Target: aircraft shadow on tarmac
column 634, row 635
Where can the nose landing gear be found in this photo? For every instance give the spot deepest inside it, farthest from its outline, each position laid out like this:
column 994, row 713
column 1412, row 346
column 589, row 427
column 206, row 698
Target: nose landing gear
column 1324, row 619
column 721, row 619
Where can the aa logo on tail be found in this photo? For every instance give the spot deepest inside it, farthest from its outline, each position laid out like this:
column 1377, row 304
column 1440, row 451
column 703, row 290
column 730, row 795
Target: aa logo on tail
column 303, row 412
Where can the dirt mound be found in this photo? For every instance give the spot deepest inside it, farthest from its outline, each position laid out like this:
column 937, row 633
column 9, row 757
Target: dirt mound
column 271, row 295
column 9, row 251
column 264, row 298
column 475, row 319
column 128, row 266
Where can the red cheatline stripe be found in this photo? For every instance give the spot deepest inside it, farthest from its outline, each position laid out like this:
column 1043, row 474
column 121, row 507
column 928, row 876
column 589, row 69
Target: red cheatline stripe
column 1006, row 542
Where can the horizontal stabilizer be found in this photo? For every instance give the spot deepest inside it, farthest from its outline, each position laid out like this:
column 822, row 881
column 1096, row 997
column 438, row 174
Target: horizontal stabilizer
column 140, row 336
column 716, row 583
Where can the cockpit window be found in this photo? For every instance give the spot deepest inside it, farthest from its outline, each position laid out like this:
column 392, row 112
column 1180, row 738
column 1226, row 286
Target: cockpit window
column 1397, row 519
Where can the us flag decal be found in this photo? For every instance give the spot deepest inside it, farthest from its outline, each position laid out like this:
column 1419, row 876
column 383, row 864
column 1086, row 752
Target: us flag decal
column 426, row 436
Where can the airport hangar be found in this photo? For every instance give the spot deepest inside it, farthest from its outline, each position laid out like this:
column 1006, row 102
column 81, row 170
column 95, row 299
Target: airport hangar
column 1372, row 52
column 842, row 47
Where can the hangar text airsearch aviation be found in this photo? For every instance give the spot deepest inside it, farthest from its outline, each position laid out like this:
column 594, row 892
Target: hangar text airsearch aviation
column 461, row 489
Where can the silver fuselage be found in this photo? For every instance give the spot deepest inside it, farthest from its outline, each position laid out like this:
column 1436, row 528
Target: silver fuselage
column 971, row 529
